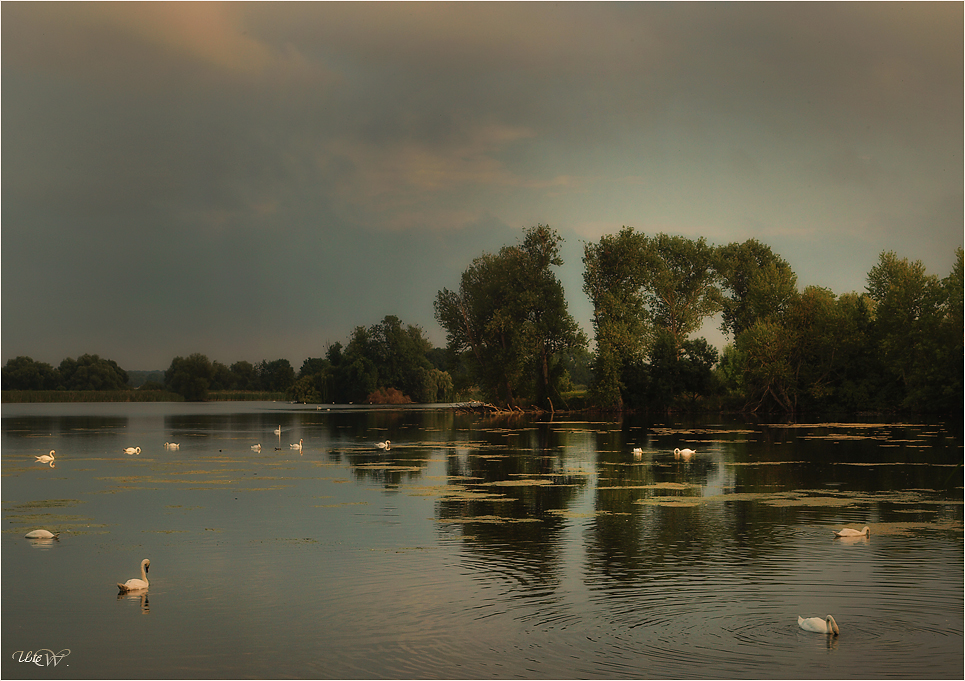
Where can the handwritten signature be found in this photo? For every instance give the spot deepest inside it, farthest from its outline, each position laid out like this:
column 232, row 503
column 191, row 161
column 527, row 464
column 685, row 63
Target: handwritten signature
column 42, row 658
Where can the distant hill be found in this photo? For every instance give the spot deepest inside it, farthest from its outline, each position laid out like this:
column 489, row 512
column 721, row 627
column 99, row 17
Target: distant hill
column 138, row 378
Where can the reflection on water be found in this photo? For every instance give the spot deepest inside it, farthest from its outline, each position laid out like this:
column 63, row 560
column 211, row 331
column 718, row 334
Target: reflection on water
column 477, row 547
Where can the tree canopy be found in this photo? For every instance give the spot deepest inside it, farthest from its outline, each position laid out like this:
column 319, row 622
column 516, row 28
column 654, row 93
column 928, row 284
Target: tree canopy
column 509, row 321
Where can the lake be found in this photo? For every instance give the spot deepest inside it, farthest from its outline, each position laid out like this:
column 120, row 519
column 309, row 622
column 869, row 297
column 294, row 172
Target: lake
column 475, row 547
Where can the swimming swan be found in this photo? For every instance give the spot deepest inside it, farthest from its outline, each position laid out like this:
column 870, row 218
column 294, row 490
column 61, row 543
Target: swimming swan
column 848, row 532
column 685, row 453
column 41, row 534
column 256, row 448
column 171, row 445
column 132, row 450
column 137, row 584
column 383, row 445
column 277, row 430
column 297, row 446
column 47, row 458
column 821, row 625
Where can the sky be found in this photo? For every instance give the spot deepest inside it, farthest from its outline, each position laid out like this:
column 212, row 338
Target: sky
column 252, row 181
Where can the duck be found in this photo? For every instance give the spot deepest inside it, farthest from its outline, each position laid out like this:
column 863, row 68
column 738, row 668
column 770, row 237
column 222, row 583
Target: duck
column 171, row 445
column 137, row 584
column 383, row 445
column 47, row 458
column 41, row 534
column 848, row 532
column 297, row 446
column 683, row 453
column 277, row 430
column 256, row 448
column 132, row 450
column 822, row 625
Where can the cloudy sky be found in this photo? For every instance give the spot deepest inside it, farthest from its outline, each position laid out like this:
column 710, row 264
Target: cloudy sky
column 251, row 181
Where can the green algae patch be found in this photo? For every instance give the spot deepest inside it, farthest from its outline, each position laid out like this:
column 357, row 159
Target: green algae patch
column 528, row 482
column 486, row 519
column 563, row 513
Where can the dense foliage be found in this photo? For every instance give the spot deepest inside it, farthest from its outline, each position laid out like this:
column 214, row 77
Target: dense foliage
column 509, row 324
column 896, row 346
column 87, row 372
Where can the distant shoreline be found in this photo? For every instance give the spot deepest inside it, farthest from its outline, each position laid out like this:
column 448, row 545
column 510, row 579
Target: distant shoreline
column 51, row 396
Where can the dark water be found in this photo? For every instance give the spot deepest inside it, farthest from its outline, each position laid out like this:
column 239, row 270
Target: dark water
column 475, row 547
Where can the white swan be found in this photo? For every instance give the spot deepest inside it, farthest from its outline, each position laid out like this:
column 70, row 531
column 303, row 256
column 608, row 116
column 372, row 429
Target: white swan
column 41, row 534
column 132, row 450
column 47, row 458
column 383, row 445
column 848, row 532
column 825, row 625
column 297, row 446
column 277, row 430
column 137, row 584
column 683, row 453
column 256, row 448
column 171, row 445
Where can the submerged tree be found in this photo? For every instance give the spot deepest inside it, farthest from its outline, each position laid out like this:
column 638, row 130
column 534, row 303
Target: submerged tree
column 510, row 321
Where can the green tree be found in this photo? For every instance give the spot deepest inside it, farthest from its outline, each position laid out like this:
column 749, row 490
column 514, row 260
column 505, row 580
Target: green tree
column 244, row 376
column 613, row 279
column 917, row 327
column 757, row 284
column 680, row 285
column 509, row 316
column 190, row 377
column 23, row 373
column 276, row 376
column 90, row 372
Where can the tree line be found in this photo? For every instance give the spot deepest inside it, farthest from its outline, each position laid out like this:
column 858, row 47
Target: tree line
column 386, row 362
column 511, row 340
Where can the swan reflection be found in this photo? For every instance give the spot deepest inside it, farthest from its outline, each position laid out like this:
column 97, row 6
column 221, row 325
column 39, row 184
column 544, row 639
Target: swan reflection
column 141, row 596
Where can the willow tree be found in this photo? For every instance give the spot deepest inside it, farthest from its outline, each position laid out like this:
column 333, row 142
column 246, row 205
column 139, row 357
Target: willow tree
column 509, row 319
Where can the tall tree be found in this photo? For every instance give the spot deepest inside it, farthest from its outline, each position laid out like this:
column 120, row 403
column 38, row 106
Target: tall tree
column 613, row 279
column 757, row 284
column 190, row 377
column 509, row 317
column 680, row 285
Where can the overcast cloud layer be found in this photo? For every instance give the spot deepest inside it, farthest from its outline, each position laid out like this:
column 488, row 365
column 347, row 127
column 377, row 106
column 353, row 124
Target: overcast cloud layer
column 251, row 181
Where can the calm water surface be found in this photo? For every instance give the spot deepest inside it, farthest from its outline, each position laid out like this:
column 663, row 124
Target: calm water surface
column 476, row 547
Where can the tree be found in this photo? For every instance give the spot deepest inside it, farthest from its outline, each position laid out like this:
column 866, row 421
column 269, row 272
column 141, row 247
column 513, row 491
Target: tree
column 509, row 318
column 244, row 376
column 613, row 279
column 648, row 295
column 276, row 376
column 23, row 373
column 90, row 372
column 680, row 285
column 190, row 377
column 757, row 283
column 917, row 326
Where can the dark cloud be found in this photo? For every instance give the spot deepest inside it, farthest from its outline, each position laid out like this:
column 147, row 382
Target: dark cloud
column 253, row 180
